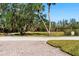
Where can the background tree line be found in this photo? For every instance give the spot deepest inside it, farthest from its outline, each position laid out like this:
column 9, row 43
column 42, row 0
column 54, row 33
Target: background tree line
column 66, row 26
column 21, row 18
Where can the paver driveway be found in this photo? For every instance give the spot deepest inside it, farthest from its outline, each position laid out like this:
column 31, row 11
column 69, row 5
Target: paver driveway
column 27, row 47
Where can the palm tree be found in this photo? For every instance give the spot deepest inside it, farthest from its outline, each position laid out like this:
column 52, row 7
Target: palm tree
column 39, row 8
column 49, row 6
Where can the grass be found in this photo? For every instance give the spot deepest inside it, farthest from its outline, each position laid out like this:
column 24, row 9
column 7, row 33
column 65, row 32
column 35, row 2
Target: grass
column 46, row 33
column 37, row 33
column 69, row 46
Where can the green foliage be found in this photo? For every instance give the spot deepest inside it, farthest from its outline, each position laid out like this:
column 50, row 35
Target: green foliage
column 76, row 32
column 23, row 17
column 67, row 31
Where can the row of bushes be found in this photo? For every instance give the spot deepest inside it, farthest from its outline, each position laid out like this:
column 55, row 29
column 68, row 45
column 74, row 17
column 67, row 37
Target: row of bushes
column 68, row 32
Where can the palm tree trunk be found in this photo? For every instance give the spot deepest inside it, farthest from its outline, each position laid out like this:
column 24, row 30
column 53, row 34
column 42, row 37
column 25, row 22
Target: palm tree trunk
column 44, row 23
column 49, row 19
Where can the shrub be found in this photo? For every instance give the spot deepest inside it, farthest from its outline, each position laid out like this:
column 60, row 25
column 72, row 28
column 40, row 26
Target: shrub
column 67, row 31
column 76, row 31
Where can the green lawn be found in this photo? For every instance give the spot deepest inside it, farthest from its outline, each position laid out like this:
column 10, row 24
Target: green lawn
column 69, row 46
column 46, row 33
column 37, row 33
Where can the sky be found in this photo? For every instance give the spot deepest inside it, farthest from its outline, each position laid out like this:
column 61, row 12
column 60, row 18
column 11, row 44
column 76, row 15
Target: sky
column 62, row 11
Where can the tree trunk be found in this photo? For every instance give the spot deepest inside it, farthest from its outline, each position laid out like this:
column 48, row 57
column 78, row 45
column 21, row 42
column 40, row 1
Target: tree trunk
column 44, row 23
column 21, row 31
column 49, row 19
column 45, row 26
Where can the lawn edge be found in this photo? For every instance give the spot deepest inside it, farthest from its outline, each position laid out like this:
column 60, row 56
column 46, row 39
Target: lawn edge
column 59, row 48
